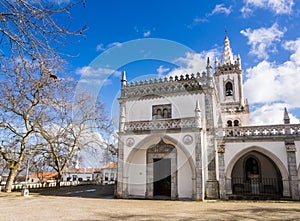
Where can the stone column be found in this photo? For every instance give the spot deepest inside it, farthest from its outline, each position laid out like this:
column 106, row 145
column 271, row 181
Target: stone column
column 292, row 167
column 198, row 172
column 197, row 180
column 222, row 177
column 119, row 192
column 212, row 186
column 125, row 188
column 120, row 181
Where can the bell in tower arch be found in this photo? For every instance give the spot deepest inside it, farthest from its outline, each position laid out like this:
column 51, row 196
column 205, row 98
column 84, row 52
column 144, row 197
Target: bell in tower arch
column 229, row 89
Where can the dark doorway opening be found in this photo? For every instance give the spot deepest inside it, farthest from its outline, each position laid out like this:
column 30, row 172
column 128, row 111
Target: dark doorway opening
column 162, row 177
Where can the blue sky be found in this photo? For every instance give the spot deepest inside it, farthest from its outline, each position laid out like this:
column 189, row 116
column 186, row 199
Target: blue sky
column 264, row 32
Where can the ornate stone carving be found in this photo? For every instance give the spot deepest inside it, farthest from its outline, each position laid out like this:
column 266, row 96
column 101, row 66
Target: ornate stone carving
column 290, row 147
column 221, row 149
column 261, row 131
column 130, row 142
column 160, row 124
column 187, row 139
column 161, row 147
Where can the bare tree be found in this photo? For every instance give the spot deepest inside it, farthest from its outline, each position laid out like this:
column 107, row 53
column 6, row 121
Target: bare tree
column 30, row 29
column 31, row 33
column 69, row 127
column 24, row 89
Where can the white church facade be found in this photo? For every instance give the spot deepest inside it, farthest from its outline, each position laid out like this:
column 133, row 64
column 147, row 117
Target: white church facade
column 190, row 137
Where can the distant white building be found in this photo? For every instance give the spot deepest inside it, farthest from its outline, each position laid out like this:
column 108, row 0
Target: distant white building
column 190, row 137
column 107, row 174
column 79, row 174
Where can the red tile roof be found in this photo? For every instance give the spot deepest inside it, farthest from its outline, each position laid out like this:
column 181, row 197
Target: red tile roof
column 43, row 175
column 81, row 170
column 110, row 165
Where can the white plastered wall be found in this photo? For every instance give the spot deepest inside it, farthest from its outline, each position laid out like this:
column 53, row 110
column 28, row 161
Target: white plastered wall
column 182, row 106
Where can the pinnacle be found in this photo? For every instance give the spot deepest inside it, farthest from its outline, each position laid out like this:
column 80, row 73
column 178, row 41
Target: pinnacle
column 286, row 117
column 227, row 57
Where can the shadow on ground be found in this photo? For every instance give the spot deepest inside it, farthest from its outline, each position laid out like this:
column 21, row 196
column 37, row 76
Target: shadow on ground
column 81, row 191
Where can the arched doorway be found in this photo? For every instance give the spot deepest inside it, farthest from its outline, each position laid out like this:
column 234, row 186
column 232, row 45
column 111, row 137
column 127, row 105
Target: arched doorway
column 255, row 174
column 162, row 170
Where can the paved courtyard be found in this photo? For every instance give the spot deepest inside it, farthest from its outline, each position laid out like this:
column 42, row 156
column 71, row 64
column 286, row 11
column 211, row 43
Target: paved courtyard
column 79, row 204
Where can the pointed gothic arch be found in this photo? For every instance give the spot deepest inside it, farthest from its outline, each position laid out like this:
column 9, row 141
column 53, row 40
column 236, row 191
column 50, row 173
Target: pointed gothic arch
column 275, row 160
column 151, row 141
column 273, row 157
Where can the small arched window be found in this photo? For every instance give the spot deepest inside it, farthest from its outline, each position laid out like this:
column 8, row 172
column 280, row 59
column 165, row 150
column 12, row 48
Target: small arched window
column 252, row 168
column 236, row 123
column 158, row 114
column 229, row 89
column 165, row 113
column 229, row 123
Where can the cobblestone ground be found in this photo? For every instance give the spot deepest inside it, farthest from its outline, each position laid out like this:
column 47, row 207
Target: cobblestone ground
column 89, row 203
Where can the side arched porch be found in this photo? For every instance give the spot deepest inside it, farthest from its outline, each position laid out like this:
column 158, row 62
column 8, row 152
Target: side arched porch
column 256, row 171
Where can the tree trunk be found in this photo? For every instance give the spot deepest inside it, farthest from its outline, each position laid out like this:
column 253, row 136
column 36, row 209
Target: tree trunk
column 13, row 170
column 11, row 177
column 58, row 180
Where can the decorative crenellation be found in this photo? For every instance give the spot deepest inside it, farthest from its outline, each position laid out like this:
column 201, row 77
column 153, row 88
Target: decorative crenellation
column 227, row 69
column 235, row 108
column 160, row 124
column 261, row 131
column 191, row 83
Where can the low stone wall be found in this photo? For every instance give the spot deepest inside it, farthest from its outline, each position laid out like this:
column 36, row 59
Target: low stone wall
column 44, row 185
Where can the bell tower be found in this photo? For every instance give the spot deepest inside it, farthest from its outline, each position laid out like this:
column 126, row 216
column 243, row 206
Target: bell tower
column 229, row 81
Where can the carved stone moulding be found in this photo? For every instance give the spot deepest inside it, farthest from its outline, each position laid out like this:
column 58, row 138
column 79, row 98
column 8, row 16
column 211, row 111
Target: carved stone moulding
column 290, row 147
column 161, row 147
column 221, row 149
column 130, row 142
column 187, row 139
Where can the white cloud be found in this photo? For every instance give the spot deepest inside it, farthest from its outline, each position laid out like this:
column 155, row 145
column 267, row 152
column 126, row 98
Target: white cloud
column 263, row 40
column 193, row 63
column 161, row 70
column 96, row 76
column 276, row 6
column 271, row 114
column 95, row 82
column 102, row 47
column 294, row 46
column 221, row 9
column 274, row 86
column 114, row 44
column 147, row 33
column 246, row 11
column 200, row 20
column 92, row 72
